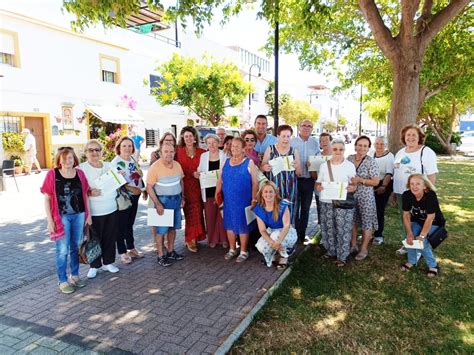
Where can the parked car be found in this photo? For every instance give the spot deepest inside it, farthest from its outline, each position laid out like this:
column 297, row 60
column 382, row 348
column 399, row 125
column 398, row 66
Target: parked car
column 202, row 132
column 467, row 142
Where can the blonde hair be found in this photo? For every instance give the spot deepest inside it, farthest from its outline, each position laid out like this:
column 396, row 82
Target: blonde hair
column 276, row 202
column 429, row 185
column 91, row 142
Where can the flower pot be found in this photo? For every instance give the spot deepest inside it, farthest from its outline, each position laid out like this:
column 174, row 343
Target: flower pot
column 26, row 169
column 18, row 170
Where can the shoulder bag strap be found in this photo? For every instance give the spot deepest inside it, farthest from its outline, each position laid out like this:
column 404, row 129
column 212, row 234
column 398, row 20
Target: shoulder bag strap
column 360, row 163
column 421, row 160
column 330, row 171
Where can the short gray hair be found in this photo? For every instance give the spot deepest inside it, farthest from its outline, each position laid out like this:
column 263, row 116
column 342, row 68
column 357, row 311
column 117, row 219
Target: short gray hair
column 213, row 136
column 338, row 141
column 383, row 138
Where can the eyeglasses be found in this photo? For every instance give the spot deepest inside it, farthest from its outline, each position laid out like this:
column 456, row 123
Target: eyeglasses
column 337, row 149
column 91, row 150
column 169, row 140
column 307, row 126
column 250, row 139
column 65, row 148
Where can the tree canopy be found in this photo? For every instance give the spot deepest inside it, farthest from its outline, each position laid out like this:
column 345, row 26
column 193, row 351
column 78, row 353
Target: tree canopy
column 295, row 111
column 205, row 87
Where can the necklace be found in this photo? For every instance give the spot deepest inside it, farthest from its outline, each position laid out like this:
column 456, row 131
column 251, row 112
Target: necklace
column 190, row 154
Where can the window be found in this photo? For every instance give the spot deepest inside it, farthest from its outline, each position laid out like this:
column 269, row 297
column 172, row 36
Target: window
column 9, row 49
column 152, row 137
column 9, row 124
column 255, row 96
column 109, row 69
column 155, row 83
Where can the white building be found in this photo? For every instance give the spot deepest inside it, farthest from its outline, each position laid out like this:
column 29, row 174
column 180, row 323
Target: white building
column 53, row 80
column 321, row 98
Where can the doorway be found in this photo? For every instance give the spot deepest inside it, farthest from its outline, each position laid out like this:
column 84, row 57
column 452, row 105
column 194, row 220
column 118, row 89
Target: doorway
column 36, row 127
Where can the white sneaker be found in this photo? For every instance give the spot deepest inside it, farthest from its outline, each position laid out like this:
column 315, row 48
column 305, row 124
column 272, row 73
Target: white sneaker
column 402, row 251
column 378, row 241
column 92, row 273
column 110, row 268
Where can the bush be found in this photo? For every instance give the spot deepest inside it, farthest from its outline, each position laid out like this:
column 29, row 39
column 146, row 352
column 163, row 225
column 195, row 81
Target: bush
column 13, row 142
column 109, row 142
column 433, row 142
column 17, row 161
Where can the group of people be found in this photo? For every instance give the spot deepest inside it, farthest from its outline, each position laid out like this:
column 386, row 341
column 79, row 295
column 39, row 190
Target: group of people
column 251, row 201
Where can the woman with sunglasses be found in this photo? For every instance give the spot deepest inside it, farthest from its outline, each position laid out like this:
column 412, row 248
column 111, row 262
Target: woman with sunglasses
column 128, row 166
column 103, row 209
column 65, row 191
column 250, row 138
column 336, row 223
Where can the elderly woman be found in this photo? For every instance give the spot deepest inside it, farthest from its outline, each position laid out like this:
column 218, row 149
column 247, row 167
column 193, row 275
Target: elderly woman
column 383, row 190
column 336, row 223
column 414, row 158
column 238, row 183
column 273, row 219
column 103, row 208
column 65, row 191
column 212, row 160
column 421, row 217
column 126, row 164
column 188, row 155
column 365, row 213
column 165, row 185
column 250, row 138
column 286, row 180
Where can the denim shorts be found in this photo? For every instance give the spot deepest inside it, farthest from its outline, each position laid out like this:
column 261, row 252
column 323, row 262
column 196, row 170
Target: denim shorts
column 171, row 202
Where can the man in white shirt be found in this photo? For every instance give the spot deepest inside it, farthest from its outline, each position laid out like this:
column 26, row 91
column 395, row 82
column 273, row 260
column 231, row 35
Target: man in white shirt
column 306, row 146
column 30, row 149
column 220, row 132
column 264, row 140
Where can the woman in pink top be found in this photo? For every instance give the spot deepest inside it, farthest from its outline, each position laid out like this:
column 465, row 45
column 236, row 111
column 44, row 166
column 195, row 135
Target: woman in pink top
column 65, row 190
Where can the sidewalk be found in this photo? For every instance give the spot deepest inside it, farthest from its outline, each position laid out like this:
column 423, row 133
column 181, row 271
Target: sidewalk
column 192, row 306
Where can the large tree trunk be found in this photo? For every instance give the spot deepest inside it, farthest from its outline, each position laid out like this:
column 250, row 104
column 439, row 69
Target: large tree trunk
column 404, row 108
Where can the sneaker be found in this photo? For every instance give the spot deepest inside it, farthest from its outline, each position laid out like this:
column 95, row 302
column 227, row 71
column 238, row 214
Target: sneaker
column 75, row 281
column 290, row 251
column 359, row 238
column 174, row 256
column 230, row 254
column 66, row 288
column 134, row 253
column 378, row 241
column 307, row 240
column 110, row 268
column 402, row 251
column 125, row 258
column 92, row 273
column 163, row 261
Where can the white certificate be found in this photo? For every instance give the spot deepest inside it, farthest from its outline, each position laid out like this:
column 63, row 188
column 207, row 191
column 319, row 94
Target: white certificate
column 417, row 244
column 110, row 181
column 208, row 178
column 315, row 161
column 165, row 220
column 282, row 164
column 249, row 215
column 333, row 190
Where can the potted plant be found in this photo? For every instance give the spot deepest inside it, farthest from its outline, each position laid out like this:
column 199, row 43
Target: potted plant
column 18, row 163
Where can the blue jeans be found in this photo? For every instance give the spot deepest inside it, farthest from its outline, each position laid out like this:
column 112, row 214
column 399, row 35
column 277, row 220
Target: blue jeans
column 69, row 244
column 427, row 252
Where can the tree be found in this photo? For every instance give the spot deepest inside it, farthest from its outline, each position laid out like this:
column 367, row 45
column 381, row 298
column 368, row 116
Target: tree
column 205, row 87
column 295, row 111
column 323, row 31
column 329, row 126
column 341, row 121
column 270, row 98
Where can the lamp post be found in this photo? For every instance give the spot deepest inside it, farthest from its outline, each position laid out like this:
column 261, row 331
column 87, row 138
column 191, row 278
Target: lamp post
column 360, row 112
column 250, row 79
column 311, row 95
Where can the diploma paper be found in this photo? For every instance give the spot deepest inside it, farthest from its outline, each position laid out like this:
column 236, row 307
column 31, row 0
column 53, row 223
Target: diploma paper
column 110, row 181
column 316, row 161
column 417, row 244
column 249, row 215
column 165, row 220
column 282, row 164
column 208, row 178
column 333, row 190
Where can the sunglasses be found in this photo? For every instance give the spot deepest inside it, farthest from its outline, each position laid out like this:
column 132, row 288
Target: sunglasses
column 306, row 126
column 337, row 149
column 91, row 150
column 250, row 139
column 65, row 148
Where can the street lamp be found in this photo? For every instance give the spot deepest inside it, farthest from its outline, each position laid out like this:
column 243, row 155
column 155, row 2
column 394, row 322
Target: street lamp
column 360, row 111
column 250, row 79
column 311, row 95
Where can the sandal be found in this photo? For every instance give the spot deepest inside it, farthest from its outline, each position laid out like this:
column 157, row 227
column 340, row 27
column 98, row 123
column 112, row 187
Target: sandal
column 406, row 266
column 340, row 263
column 282, row 266
column 362, row 255
column 242, row 257
column 230, row 254
column 432, row 272
column 354, row 250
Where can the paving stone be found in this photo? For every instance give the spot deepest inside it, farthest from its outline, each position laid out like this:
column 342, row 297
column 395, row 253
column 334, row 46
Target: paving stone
column 6, row 350
column 8, row 340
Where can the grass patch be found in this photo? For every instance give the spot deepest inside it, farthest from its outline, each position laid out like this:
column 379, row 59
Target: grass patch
column 372, row 307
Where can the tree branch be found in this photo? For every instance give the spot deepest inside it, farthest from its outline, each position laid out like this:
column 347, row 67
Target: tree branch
column 382, row 34
column 425, row 15
column 439, row 20
column 409, row 8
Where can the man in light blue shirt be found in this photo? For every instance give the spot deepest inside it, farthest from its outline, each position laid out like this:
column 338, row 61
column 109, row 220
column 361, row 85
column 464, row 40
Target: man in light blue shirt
column 264, row 140
column 306, row 146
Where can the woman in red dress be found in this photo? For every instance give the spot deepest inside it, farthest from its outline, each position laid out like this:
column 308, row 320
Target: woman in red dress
column 188, row 154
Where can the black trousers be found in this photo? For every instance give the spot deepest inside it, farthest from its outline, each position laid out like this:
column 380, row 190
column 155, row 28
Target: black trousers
column 125, row 240
column 381, row 201
column 303, row 204
column 104, row 229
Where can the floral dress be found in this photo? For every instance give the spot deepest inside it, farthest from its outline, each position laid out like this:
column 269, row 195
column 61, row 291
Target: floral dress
column 365, row 212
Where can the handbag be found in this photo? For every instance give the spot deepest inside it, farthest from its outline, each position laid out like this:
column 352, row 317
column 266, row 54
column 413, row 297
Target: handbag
column 437, row 237
column 90, row 248
column 123, row 199
column 349, row 202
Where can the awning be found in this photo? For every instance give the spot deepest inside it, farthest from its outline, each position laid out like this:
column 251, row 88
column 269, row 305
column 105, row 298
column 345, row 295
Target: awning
column 114, row 114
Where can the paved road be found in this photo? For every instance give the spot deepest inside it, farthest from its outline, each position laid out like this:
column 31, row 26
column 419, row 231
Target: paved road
column 192, row 306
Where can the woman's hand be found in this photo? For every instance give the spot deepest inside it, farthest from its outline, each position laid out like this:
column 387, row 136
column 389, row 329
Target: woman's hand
column 182, row 202
column 51, row 226
column 380, row 190
column 134, row 190
column 351, row 188
column 319, row 187
column 356, row 180
column 89, row 220
column 275, row 245
column 266, row 168
column 410, row 239
column 253, row 204
column 95, row 192
column 196, row 174
column 144, row 195
column 160, row 209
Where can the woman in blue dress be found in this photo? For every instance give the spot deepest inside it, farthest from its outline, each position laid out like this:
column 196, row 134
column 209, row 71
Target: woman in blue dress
column 273, row 219
column 238, row 185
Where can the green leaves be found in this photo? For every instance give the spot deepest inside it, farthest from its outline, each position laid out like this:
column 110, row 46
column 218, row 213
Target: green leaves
column 294, row 111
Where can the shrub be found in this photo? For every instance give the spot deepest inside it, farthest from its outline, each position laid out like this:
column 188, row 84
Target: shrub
column 109, row 141
column 13, row 142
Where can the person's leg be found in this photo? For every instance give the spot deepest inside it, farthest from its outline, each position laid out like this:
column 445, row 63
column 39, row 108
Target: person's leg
column 109, row 231
column 400, row 209
column 343, row 233
column 414, row 254
column 37, row 164
column 123, row 217
column 366, row 238
column 96, row 231
column 77, row 232
column 244, row 241
column 171, row 236
column 62, row 250
column 159, row 244
column 305, row 196
column 427, row 251
column 210, row 218
column 380, row 205
column 129, row 239
column 318, row 206
column 354, row 237
column 328, row 228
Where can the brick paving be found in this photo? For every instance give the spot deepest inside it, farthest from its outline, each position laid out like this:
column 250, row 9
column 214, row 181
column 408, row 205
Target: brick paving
column 192, row 306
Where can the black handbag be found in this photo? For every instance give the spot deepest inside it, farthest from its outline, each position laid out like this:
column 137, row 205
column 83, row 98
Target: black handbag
column 349, row 202
column 90, row 248
column 437, row 237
